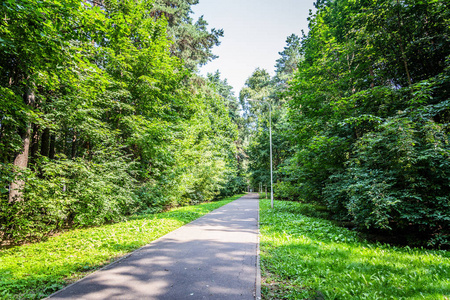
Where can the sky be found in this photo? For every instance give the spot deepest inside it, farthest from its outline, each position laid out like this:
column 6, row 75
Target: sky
column 255, row 31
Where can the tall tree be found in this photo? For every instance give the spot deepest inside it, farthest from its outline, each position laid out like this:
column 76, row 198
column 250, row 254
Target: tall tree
column 33, row 51
column 287, row 64
column 192, row 40
column 364, row 114
column 260, row 94
column 112, row 120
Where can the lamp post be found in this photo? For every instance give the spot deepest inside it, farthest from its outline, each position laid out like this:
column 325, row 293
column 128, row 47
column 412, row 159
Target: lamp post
column 270, row 142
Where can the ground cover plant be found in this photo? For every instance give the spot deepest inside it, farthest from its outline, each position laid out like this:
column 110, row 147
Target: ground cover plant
column 304, row 256
column 36, row 270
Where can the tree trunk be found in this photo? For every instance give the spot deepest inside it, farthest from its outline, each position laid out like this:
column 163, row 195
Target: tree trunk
column 372, row 75
column 45, row 144
column 34, row 148
column 74, row 146
column 405, row 62
column 51, row 153
column 400, row 43
column 21, row 159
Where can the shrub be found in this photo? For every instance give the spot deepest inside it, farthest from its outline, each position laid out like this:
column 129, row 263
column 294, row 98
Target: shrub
column 399, row 179
column 285, row 190
column 64, row 193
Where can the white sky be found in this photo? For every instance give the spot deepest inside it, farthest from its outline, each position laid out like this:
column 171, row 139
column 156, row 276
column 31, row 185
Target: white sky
column 254, row 32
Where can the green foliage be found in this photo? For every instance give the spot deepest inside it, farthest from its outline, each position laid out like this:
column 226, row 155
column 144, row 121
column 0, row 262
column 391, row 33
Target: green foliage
column 286, row 190
column 191, row 40
column 287, row 64
column 304, row 257
column 398, row 177
column 224, row 90
column 235, row 184
column 262, row 109
column 368, row 114
column 153, row 197
column 117, row 122
column 38, row 270
column 70, row 193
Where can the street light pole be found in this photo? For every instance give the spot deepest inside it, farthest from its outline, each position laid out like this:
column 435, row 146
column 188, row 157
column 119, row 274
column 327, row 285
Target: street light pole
column 270, row 142
column 271, row 168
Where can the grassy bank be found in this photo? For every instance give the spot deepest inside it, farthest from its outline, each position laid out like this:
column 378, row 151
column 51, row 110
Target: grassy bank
column 304, row 257
column 37, row 270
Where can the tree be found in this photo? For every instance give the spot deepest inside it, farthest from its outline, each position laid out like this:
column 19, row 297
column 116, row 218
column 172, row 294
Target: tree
column 101, row 118
column 33, row 51
column 364, row 114
column 236, row 174
column 287, row 64
column 264, row 89
column 192, row 41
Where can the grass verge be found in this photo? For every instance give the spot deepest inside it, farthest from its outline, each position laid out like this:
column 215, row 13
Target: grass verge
column 37, row 270
column 306, row 257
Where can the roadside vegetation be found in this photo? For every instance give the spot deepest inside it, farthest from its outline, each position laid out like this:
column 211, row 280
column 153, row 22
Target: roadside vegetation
column 360, row 117
column 304, row 256
column 37, row 270
column 103, row 115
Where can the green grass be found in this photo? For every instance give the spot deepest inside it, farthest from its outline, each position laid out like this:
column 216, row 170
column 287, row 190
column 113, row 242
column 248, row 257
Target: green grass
column 304, row 257
column 37, row 270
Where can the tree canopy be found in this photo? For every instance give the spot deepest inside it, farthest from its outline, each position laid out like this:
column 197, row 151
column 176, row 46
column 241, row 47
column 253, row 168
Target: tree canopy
column 366, row 126
column 102, row 116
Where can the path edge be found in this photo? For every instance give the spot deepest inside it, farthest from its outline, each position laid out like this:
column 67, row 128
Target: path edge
column 258, row 263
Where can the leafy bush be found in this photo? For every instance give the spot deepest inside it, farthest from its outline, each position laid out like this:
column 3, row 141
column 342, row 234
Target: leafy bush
column 234, row 185
column 153, row 197
column 285, row 190
column 314, row 164
column 67, row 193
column 399, row 178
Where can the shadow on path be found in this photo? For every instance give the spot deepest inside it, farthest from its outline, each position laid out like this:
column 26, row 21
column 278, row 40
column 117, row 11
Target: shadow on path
column 214, row 257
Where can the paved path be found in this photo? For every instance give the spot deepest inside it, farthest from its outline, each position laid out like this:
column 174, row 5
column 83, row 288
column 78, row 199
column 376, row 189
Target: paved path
column 214, row 257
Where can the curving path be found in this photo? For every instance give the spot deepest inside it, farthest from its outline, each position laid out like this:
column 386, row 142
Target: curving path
column 214, row 257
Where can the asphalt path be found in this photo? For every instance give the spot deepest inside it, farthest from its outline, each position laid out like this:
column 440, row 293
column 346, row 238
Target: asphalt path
column 214, row 257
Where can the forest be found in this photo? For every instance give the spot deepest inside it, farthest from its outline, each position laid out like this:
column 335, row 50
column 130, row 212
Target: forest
column 103, row 114
column 360, row 117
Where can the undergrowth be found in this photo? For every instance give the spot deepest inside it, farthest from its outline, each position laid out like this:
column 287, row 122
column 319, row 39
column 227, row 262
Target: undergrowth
column 37, row 270
column 306, row 257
